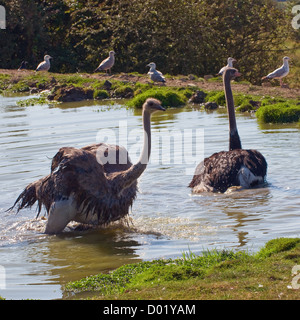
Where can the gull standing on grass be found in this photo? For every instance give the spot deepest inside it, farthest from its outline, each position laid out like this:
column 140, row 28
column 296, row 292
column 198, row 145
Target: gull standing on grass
column 44, row 65
column 155, row 75
column 229, row 65
column 280, row 72
column 107, row 63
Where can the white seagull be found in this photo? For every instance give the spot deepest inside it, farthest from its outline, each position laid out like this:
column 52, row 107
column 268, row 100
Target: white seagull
column 44, row 65
column 280, row 72
column 107, row 63
column 229, row 65
column 155, row 75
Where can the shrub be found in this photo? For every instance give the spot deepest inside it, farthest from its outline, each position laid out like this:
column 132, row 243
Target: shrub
column 279, row 113
column 100, row 94
column 217, row 97
column 168, row 97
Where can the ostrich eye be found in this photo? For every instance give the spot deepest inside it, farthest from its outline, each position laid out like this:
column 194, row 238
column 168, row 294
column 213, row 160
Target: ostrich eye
column 151, row 104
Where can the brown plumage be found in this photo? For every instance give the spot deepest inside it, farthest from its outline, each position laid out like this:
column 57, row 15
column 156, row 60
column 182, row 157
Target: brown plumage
column 82, row 187
column 236, row 167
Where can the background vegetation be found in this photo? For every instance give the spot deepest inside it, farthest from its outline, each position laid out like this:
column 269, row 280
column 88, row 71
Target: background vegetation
column 181, row 36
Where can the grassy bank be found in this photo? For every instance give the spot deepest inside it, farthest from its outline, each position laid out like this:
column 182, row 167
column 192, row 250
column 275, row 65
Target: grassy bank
column 274, row 105
column 213, row 275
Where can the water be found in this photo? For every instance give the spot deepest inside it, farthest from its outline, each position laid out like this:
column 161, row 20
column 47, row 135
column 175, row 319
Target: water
column 166, row 220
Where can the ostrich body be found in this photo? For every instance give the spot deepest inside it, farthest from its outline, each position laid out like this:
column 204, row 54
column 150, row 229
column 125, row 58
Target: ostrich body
column 236, row 167
column 44, row 65
column 83, row 187
column 107, row 63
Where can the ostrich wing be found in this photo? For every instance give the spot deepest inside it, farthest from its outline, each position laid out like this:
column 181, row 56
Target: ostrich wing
column 76, row 173
column 220, row 170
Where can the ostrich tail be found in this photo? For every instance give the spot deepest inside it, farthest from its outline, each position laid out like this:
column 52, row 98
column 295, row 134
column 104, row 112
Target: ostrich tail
column 26, row 199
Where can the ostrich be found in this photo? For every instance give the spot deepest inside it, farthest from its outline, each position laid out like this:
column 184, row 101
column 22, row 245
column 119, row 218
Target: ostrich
column 84, row 187
column 236, row 167
column 44, row 65
column 107, row 63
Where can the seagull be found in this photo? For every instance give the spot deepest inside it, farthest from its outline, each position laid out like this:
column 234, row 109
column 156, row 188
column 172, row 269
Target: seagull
column 44, row 65
column 280, row 72
column 107, row 63
column 23, row 65
column 229, row 65
column 155, row 75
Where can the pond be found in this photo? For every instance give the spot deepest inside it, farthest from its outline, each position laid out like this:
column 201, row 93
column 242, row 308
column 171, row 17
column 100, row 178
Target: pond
column 166, row 219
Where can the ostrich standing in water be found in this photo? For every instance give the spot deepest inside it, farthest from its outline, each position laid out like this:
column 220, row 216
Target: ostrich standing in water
column 83, row 188
column 236, row 167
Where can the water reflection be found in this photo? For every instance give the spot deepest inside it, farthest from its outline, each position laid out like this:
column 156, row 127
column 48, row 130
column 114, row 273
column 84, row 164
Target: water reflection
column 244, row 209
column 167, row 218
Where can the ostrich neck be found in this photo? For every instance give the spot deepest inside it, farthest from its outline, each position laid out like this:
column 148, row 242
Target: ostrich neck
column 133, row 173
column 234, row 139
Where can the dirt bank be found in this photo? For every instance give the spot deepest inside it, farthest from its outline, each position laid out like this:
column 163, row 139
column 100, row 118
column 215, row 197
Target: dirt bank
column 178, row 81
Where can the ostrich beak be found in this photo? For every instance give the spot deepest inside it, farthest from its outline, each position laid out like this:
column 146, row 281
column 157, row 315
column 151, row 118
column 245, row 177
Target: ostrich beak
column 237, row 74
column 161, row 108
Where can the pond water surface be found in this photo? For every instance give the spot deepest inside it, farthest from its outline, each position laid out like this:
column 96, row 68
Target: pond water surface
column 166, row 219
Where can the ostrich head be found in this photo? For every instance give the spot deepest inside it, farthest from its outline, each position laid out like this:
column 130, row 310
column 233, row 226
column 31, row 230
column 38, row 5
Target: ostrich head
column 151, row 105
column 231, row 73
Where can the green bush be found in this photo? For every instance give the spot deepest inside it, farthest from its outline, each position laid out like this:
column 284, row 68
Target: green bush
column 124, row 91
column 217, row 97
column 168, row 97
column 279, row 113
column 100, row 94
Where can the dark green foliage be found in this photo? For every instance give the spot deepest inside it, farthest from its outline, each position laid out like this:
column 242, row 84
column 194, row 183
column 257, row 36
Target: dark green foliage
column 182, row 37
column 100, row 94
column 169, row 97
column 279, row 113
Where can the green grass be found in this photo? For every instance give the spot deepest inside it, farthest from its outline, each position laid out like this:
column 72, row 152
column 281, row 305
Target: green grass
column 282, row 112
column 100, row 94
column 213, row 275
column 169, row 97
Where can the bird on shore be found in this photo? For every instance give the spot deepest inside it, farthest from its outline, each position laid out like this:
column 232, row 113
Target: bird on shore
column 234, row 168
column 155, row 75
column 229, row 65
column 107, row 63
column 23, row 65
column 279, row 73
column 96, row 184
column 44, row 65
